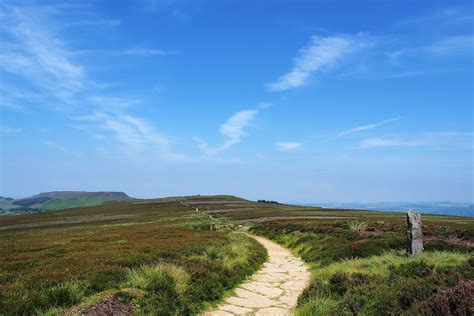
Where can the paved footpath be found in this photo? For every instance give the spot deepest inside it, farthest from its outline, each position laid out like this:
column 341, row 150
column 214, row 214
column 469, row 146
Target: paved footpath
column 273, row 290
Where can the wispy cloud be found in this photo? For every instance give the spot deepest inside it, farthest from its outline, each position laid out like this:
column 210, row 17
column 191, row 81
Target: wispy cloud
column 265, row 105
column 446, row 17
column 62, row 149
column 320, row 53
column 9, row 130
column 96, row 23
column 288, row 146
column 135, row 133
column 233, row 130
column 447, row 46
column 37, row 53
column 451, row 134
column 146, row 52
column 389, row 142
column 369, row 126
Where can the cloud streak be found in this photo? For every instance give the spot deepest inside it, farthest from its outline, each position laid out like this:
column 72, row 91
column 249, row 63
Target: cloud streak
column 147, row 52
column 233, row 130
column 320, row 53
column 288, row 146
column 366, row 127
column 36, row 53
column 62, row 149
column 448, row 46
column 388, row 142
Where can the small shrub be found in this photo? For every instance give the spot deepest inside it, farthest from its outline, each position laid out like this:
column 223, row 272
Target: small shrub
column 458, row 300
column 160, row 276
column 63, row 295
column 339, row 283
column 319, row 306
column 358, row 226
column 412, row 269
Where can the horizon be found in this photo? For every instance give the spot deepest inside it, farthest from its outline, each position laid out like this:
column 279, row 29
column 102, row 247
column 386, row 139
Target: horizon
column 285, row 101
column 309, row 202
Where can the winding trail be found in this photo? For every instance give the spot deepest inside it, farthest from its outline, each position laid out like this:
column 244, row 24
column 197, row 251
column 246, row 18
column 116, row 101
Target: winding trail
column 273, row 290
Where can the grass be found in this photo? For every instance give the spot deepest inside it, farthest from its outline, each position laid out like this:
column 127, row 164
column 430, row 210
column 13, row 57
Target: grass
column 359, row 265
column 143, row 252
column 387, row 284
column 358, row 226
column 162, row 257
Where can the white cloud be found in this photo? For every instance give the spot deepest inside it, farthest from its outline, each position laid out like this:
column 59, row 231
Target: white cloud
column 321, row 52
column 366, row 127
column 451, row 134
column 445, row 17
column 147, row 52
column 287, row 146
column 135, row 134
column 265, row 105
column 448, row 46
column 233, row 130
column 96, row 23
column 36, row 53
column 62, row 149
column 386, row 142
column 9, row 130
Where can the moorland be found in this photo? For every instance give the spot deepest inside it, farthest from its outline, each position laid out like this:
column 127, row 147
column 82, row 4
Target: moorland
column 182, row 255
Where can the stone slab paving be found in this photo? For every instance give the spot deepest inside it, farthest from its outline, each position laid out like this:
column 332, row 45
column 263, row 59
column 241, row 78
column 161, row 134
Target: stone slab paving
column 273, row 290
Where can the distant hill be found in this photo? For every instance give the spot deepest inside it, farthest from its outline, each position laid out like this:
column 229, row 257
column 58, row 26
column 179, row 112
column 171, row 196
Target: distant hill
column 444, row 207
column 49, row 201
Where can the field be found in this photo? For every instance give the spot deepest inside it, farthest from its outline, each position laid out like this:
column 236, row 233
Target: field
column 162, row 257
column 155, row 257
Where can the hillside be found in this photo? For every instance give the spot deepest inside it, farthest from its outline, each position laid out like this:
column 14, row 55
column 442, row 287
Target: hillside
column 181, row 255
column 56, row 200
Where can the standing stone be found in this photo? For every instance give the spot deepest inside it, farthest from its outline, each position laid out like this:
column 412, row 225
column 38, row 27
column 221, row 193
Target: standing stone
column 414, row 233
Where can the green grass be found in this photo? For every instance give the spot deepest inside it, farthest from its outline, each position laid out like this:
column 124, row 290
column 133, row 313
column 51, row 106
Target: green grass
column 58, row 204
column 49, row 201
column 161, row 257
column 141, row 251
column 387, row 284
column 359, row 265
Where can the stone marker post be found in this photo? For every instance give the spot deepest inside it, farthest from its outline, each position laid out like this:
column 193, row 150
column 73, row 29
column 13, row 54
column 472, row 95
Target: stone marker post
column 414, row 233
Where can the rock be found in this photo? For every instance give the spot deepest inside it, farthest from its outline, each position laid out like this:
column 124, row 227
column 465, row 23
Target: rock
column 414, row 233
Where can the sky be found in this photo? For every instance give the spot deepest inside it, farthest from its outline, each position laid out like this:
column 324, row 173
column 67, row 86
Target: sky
column 295, row 101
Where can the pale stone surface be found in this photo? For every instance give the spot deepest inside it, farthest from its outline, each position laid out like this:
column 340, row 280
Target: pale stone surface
column 414, row 233
column 236, row 310
column 273, row 311
column 273, row 290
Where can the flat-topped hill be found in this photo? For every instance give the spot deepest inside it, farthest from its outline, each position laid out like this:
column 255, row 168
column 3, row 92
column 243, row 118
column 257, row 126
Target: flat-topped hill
column 57, row 200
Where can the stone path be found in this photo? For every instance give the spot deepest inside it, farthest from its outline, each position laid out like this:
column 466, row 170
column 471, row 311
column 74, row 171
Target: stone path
column 273, row 290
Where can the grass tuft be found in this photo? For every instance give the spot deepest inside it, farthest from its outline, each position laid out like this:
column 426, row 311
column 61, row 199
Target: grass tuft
column 160, row 276
column 358, row 226
column 63, row 295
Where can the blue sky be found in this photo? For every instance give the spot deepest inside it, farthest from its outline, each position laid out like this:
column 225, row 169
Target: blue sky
column 299, row 101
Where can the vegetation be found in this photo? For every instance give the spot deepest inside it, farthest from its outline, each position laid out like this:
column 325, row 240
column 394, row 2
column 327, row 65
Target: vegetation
column 359, row 267
column 137, row 252
column 265, row 201
column 164, row 257
column 49, row 201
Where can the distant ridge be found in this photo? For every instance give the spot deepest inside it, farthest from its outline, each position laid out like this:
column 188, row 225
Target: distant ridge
column 441, row 207
column 56, row 200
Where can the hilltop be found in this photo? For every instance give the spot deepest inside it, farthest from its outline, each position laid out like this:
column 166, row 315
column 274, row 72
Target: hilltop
column 57, row 200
